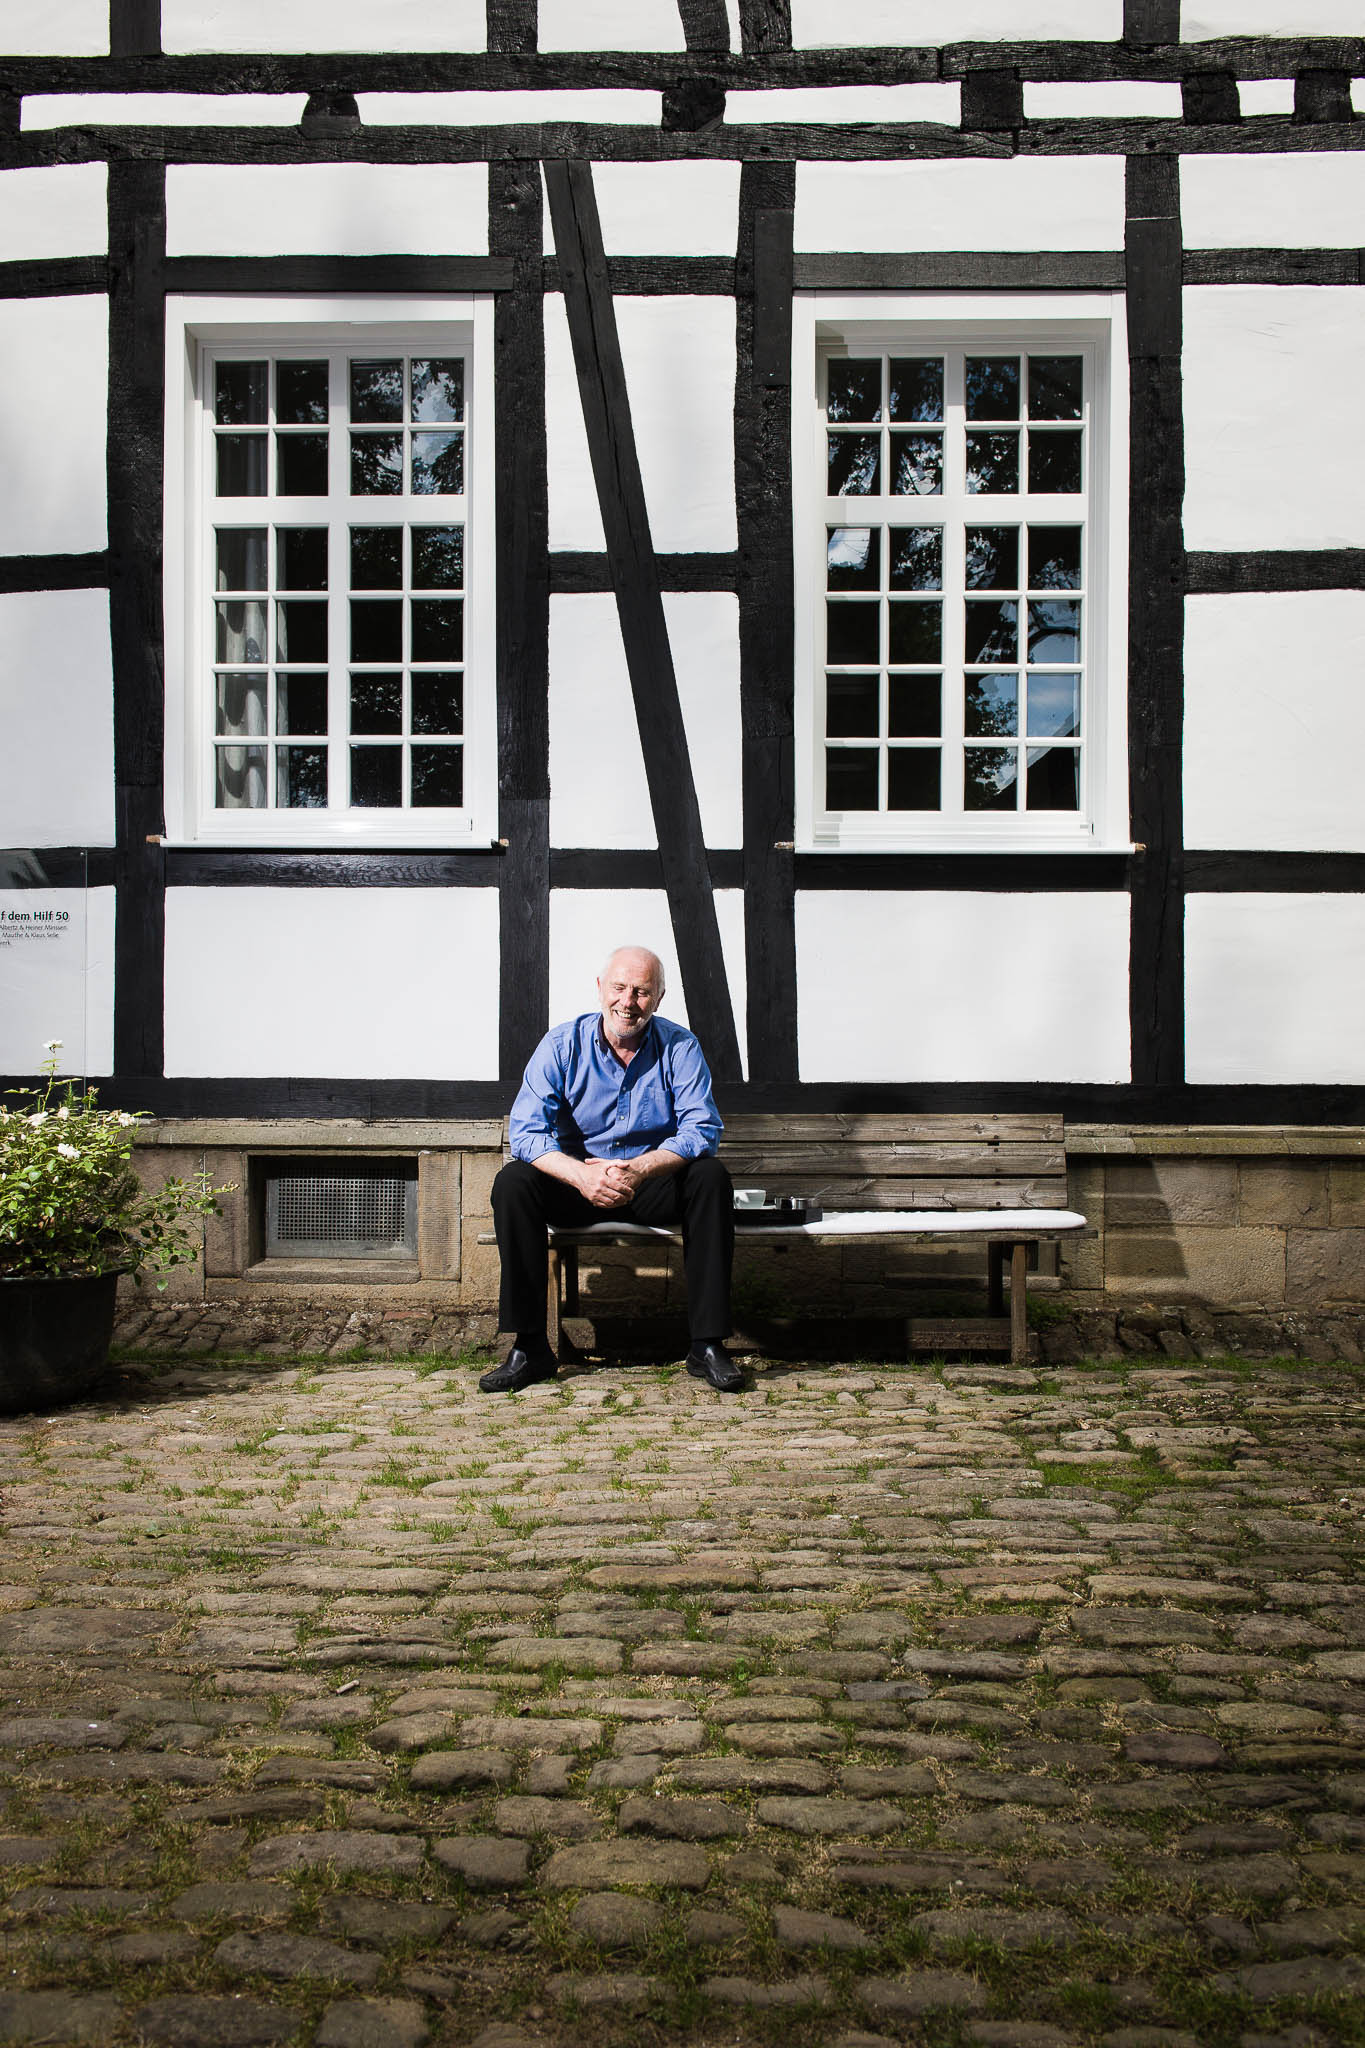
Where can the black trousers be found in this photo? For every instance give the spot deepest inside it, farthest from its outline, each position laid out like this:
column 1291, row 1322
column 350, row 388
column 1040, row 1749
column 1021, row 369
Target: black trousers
column 699, row 1197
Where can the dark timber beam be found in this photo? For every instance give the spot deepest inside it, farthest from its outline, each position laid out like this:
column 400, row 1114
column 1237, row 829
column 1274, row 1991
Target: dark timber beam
column 1156, row 605
column 705, row 24
column 137, row 255
column 763, row 484
column 639, row 603
column 279, row 1096
column 134, row 28
column 511, row 26
column 1277, row 569
column 515, row 233
column 767, row 59
column 53, row 572
column 1147, row 23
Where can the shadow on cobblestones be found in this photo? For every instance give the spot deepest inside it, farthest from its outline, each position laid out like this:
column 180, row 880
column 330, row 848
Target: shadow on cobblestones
column 950, row 1704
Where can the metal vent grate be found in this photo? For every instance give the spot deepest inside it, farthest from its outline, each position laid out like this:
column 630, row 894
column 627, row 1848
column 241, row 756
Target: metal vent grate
column 368, row 1213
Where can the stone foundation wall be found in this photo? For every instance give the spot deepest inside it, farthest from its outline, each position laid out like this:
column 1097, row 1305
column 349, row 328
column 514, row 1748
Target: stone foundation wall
column 1236, row 1217
column 1264, row 1220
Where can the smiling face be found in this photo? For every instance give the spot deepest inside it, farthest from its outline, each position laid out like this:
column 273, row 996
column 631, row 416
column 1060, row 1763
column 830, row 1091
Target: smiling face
column 629, row 989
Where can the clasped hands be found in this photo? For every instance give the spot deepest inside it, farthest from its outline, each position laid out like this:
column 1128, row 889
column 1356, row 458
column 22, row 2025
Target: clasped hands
column 611, row 1183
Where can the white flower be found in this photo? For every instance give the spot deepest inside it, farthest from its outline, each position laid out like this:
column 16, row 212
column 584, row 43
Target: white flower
column 124, row 1118
column 39, row 1116
column 62, row 1114
column 54, row 1045
column 68, row 1151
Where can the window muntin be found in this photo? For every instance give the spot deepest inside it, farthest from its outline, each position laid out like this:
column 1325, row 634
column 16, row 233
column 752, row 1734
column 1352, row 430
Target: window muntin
column 961, row 564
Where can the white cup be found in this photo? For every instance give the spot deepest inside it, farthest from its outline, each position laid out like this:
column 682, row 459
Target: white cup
column 750, row 1198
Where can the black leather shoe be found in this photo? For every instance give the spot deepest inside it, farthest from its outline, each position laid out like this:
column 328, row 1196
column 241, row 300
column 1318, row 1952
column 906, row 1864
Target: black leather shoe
column 520, row 1369
column 713, row 1363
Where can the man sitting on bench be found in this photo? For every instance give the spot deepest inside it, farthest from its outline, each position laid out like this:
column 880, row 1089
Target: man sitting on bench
column 615, row 1122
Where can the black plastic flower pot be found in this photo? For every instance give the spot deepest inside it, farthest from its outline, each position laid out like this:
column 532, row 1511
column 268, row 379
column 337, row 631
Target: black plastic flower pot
column 54, row 1339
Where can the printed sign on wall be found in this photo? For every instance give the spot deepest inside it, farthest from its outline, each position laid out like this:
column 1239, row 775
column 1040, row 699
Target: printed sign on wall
column 56, row 978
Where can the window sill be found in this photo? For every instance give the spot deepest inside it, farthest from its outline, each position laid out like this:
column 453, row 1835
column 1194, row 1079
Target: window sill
column 303, row 1272
column 1075, row 849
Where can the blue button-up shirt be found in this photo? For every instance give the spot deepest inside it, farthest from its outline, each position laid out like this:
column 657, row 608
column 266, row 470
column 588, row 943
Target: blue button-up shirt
column 578, row 1098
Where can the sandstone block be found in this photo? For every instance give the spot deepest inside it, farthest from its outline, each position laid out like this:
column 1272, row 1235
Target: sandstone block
column 1230, row 1267
column 1285, row 1192
column 1325, row 1268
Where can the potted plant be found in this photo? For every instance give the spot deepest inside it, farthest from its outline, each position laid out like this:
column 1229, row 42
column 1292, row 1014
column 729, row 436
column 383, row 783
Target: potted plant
column 73, row 1217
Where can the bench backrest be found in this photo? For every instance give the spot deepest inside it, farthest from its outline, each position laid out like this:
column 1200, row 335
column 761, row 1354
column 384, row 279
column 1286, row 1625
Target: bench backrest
column 902, row 1162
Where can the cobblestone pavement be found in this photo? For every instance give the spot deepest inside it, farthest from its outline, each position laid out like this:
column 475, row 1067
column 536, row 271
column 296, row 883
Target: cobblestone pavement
column 347, row 1706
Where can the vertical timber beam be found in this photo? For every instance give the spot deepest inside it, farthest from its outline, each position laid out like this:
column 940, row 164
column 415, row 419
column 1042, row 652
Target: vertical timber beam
column 639, row 604
column 137, row 257
column 523, row 616
column 705, row 24
column 511, row 27
column 134, row 28
column 763, row 485
column 765, row 25
column 1156, row 636
column 1148, row 23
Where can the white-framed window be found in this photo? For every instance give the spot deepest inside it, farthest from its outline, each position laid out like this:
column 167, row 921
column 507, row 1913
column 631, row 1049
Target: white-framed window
column 960, row 499
column 329, row 572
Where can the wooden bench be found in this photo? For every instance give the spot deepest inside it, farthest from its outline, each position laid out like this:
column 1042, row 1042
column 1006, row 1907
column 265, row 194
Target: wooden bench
column 994, row 1181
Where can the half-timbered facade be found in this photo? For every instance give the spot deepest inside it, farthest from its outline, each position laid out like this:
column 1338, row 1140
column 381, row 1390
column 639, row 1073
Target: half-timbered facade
column 865, row 500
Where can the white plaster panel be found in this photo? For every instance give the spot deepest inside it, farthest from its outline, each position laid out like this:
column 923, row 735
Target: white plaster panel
column 736, row 26
column 506, row 109
column 1273, row 202
column 1144, row 99
column 598, row 792
column 354, row 983
column 1275, row 720
column 922, row 102
column 1358, row 95
column 679, row 356
column 1202, row 21
column 1265, row 96
column 948, row 985
column 57, row 211
column 54, row 401
column 56, row 28
column 1025, row 203
column 1274, row 988
column 665, row 209
column 327, row 209
column 587, row 925
column 56, row 978
column 188, row 26
column 821, row 25
column 162, row 109
column 1274, row 416
column 57, row 717
column 611, row 25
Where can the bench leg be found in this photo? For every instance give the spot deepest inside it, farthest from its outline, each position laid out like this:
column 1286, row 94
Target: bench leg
column 1019, row 1304
column 554, row 1273
column 995, row 1278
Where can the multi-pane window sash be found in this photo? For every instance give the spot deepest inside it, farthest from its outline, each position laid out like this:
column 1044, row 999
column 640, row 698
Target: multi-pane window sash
column 953, row 620
column 336, row 578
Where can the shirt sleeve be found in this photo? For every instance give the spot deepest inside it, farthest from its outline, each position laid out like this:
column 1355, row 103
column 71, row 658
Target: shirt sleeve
column 699, row 1124
column 533, row 1126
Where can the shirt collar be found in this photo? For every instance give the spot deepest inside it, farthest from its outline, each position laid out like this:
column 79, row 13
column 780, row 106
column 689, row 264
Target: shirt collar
column 646, row 1041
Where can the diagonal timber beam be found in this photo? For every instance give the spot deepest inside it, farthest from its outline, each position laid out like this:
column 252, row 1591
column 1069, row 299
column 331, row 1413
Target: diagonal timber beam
column 639, row 603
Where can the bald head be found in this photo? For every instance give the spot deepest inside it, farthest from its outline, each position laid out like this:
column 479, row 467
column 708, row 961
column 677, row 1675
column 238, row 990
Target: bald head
column 629, row 989
column 638, row 963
